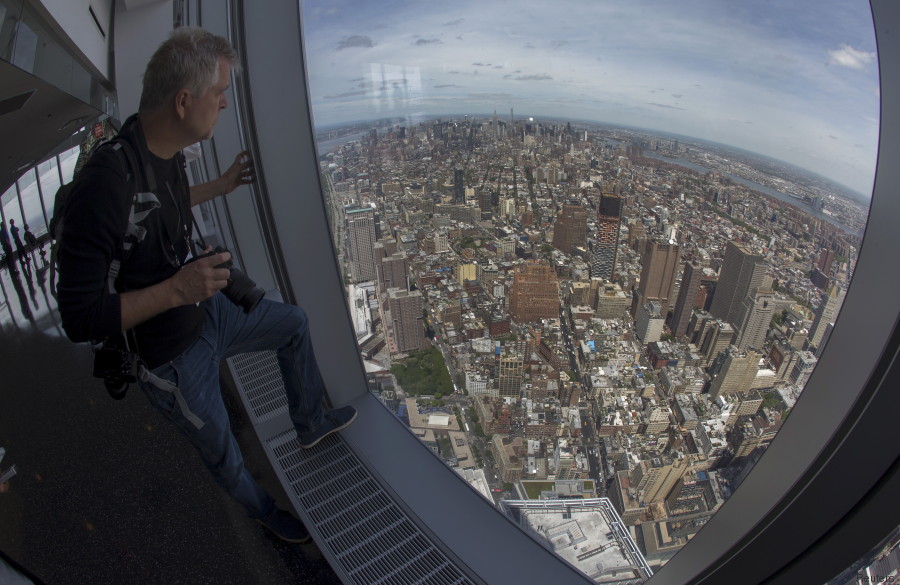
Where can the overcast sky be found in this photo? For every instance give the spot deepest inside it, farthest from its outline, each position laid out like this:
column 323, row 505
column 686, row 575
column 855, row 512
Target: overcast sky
column 797, row 81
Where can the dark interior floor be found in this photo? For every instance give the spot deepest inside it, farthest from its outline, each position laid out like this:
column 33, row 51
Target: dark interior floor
column 108, row 491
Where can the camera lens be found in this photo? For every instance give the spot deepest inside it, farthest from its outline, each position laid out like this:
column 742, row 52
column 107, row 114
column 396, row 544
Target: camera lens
column 242, row 291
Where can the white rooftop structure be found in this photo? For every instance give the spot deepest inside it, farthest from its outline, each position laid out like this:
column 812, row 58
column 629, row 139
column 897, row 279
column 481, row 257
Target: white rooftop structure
column 588, row 533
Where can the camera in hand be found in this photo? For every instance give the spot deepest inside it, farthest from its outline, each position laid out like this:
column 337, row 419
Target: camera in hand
column 240, row 290
column 116, row 366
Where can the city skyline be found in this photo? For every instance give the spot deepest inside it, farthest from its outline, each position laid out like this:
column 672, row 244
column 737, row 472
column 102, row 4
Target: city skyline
column 792, row 83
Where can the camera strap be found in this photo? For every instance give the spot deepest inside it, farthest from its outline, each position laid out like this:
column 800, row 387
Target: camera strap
column 149, row 377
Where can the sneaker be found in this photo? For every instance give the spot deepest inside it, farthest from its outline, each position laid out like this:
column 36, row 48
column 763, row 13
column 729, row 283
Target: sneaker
column 334, row 420
column 283, row 525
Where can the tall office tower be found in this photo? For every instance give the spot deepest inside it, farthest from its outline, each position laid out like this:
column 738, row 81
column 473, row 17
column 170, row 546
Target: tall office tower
column 389, row 244
column 742, row 271
column 803, row 368
column 826, row 313
column 609, row 220
column 659, row 265
column 393, row 272
column 655, row 479
column 716, row 339
column 534, row 294
column 570, row 229
column 612, row 302
column 485, row 202
column 700, row 322
column 649, row 322
column 361, row 241
column 687, row 296
column 824, row 342
column 441, row 242
column 553, row 175
column 407, row 322
column 459, row 186
column 636, row 232
column 826, row 258
column 737, row 373
column 580, row 294
column 753, row 322
column 510, row 374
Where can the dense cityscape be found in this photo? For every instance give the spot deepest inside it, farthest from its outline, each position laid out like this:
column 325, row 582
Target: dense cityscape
column 566, row 311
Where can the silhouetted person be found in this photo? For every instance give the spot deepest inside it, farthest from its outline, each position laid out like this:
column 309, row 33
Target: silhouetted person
column 20, row 247
column 7, row 248
column 31, row 242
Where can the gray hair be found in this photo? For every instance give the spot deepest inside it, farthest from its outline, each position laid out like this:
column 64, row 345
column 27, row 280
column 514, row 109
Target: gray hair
column 188, row 59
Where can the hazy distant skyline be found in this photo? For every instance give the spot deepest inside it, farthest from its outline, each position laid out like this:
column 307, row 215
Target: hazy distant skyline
column 795, row 82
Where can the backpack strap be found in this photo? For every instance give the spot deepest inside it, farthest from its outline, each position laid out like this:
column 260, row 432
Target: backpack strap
column 143, row 203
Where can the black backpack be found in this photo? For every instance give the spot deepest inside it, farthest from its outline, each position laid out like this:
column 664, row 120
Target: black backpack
column 129, row 160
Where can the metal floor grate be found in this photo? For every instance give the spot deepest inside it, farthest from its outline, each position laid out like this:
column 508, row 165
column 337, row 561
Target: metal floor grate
column 371, row 537
column 259, row 378
column 367, row 536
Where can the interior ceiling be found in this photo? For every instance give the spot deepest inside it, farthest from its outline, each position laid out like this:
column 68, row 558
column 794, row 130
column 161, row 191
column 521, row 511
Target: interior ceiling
column 35, row 117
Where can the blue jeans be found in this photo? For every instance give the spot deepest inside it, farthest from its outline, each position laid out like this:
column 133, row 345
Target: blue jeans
column 228, row 331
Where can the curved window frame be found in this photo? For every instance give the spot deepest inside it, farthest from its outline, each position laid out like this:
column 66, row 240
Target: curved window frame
column 787, row 523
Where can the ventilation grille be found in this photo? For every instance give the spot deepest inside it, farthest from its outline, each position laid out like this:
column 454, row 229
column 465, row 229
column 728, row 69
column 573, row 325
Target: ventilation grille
column 368, row 538
column 371, row 537
column 259, row 378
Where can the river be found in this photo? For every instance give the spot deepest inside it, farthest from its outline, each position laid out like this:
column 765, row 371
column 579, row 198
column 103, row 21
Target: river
column 800, row 203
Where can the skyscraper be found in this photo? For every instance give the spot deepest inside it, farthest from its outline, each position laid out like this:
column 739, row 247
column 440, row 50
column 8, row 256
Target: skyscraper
column 687, row 295
column 716, row 339
column 570, row 229
column 742, row 271
column 753, row 322
column 609, row 219
column 392, row 272
column 826, row 313
column 659, row 266
column 407, row 327
column 459, row 186
column 511, row 373
column 534, row 294
column 737, row 373
column 361, row 241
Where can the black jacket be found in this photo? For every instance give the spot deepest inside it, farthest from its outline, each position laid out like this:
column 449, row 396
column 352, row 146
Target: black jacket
column 93, row 235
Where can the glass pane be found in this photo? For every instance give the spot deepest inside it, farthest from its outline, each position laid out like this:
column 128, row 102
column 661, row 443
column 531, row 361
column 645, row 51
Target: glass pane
column 585, row 262
column 34, row 215
column 48, row 173
column 67, row 162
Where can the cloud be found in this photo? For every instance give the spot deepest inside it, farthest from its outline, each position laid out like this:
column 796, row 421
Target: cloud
column 677, row 96
column 529, row 46
column 355, row 41
column 538, row 77
column 454, row 22
column 847, row 56
column 423, row 42
column 664, row 106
